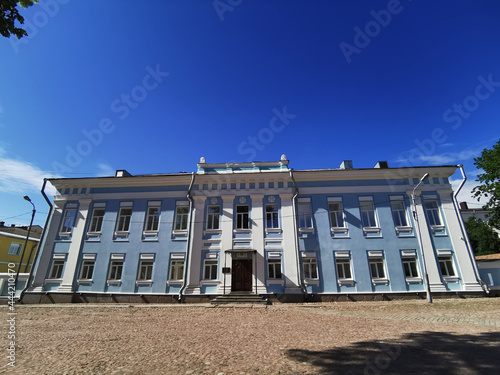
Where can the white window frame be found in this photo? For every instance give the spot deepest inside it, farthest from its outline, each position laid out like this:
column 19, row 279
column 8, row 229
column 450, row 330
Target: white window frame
column 176, row 270
column 449, row 264
column 152, row 222
column 68, row 222
column 273, row 216
column 181, row 218
column 96, row 221
column 213, row 218
column 57, row 268
column 305, row 216
column 343, row 262
column 147, row 266
column 274, row 265
column 338, row 213
column 399, row 213
column 15, row 250
column 310, row 268
column 211, row 265
column 243, row 217
column 123, row 221
column 368, row 208
column 375, row 259
column 433, row 214
column 114, row 265
column 86, row 265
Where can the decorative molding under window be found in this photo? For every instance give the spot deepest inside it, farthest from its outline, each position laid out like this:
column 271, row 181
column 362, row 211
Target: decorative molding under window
column 242, row 231
column 404, row 229
column 275, row 282
column 339, row 229
column 84, row 281
column 371, row 229
column 312, row 281
column 52, row 281
column 144, row 282
column 174, row 282
column 346, row 282
column 114, row 282
column 120, row 233
column 209, row 282
column 414, row 280
column 64, row 234
column 380, row 281
column 212, row 231
column 306, row 230
column 437, row 228
column 182, row 232
column 94, row 234
column 273, row 230
column 452, row 279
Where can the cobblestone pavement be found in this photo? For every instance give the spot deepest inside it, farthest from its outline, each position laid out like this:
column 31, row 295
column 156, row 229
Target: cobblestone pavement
column 458, row 336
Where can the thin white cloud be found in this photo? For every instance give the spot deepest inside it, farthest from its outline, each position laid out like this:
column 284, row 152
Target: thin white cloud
column 21, row 177
column 439, row 159
column 105, row 170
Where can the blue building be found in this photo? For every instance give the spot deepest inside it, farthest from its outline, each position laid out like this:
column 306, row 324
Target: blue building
column 257, row 227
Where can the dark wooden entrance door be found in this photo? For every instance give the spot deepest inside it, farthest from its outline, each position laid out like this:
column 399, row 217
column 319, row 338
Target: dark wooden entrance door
column 241, row 275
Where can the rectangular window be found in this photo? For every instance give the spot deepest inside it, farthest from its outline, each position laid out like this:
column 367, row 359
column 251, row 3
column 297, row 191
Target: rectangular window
column 145, row 270
column 367, row 214
column 15, row 248
column 305, row 215
column 213, row 216
column 399, row 214
column 176, row 269
column 181, row 217
column 242, row 217
column 87, row 270
column 446, row 265
column 343, row 268
column 377, row 268
column 410, row 267
column 274, row 268
column 210, row 272
column 57, row 269
column 68, row 221
column 115, row 270
column 272, row 216
column 310, row 268
column 432, row 211
column 97, row 219
column 336, row 215
column 153, row 219
column 124, row 220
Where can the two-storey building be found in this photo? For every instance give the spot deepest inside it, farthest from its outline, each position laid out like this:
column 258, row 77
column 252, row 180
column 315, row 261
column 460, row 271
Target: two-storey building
column 256, row 227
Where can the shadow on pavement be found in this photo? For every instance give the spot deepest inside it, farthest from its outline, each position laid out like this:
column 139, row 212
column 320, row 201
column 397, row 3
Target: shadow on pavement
column 415, row 353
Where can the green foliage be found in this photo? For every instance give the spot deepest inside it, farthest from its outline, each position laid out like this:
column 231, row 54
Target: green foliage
column 9, row 15
column 489, row 162
column 483, row 238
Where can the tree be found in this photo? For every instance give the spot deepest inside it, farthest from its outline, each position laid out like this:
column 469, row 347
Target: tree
column 489, row 162
column 9, row 15
column 483, row 239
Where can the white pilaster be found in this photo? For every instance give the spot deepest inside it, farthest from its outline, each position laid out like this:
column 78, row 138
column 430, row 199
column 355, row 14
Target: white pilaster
column 75, row 246
column 435, row 281
column 194, row 266
column 226, row 240
column 289, row 245
column 462, row 255
column 259, row 271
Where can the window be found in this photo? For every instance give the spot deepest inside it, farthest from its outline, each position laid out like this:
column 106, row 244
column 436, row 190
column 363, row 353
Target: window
column 432, row 210
column 305, row 215
column 57, row 269
column 68, row 221
column 97, row 219
column 399, row 214
column 336, row 215
column 87, row 270
column 145, row 270
column 377, row 268
column 367, row 214
column 272, row 216
column 274, row 268
column 124, row 220
column 181, row 217
column 343, row 268
column 446, row 265
column 176, row 269
column 310, row 268
column 242, row 217
column 410, row 267
column 210, row 270
column 153, row 219
column 213, row 216
column 115, row 270
column 15, row 248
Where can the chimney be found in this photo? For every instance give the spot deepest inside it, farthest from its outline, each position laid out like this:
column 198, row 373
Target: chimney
column 12, row 225
column 2, row 224
column 382, row 164
column 122, row 173
column 346, row 164
column 464, row 206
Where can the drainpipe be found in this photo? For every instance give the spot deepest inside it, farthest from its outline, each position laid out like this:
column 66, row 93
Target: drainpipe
column 188, row 248
column 41, row 239
column 464, row 231
column 299, row 268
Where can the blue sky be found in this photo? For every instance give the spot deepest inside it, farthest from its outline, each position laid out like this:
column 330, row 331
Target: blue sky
column 105, row 85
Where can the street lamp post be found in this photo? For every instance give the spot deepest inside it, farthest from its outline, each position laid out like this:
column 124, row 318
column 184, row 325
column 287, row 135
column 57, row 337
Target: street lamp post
column 415, row 216
column 26, row 240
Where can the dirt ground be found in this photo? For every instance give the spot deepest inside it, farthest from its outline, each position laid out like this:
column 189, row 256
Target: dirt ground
column 453, row 336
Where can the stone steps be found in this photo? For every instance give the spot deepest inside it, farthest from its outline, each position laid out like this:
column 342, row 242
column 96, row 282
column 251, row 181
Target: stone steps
column 240, row 298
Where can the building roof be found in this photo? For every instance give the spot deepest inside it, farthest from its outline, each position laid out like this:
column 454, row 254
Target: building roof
column 488, row 257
